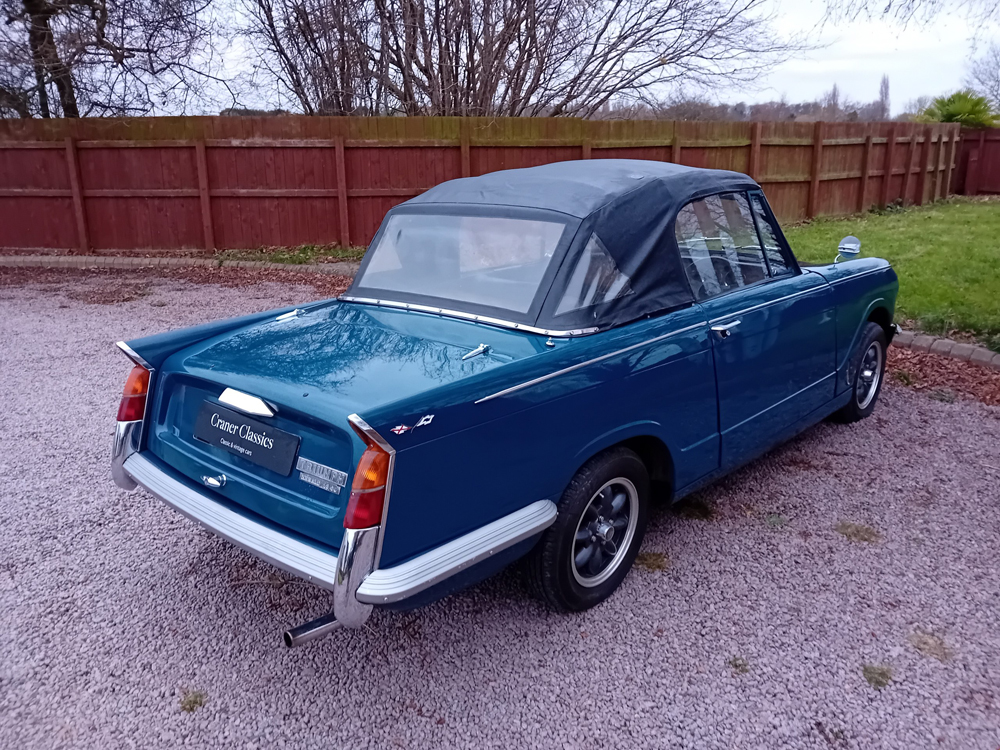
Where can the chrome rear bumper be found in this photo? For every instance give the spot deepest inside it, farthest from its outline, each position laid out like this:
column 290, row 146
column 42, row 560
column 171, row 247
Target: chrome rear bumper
column 268, row 544
column 350, row 574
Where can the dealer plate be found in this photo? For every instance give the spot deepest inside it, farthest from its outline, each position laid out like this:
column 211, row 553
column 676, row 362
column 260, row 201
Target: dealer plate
column 255, row 441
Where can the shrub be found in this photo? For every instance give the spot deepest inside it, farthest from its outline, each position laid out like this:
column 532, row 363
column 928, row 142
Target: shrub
column 965, row 107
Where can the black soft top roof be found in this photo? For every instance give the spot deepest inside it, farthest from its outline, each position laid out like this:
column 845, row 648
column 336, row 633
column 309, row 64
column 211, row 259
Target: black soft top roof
column 579, row 188
column 628, row 205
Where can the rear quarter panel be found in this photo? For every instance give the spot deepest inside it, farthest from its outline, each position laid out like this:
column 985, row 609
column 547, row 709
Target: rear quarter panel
column 477, row 462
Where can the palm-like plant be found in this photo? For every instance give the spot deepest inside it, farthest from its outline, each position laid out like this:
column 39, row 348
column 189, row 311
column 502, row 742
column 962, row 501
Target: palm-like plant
column 965, row 107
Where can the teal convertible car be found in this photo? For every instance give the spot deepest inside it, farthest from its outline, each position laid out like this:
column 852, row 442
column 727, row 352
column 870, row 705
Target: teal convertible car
column 524, row 361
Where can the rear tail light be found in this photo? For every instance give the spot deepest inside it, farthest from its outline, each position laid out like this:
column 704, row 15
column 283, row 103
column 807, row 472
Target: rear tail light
column 133, row 404
column 364, row 508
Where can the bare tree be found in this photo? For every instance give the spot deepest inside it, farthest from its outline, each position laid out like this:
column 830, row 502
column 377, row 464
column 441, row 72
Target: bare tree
column 920, row 11
column 883, row 99
column 984, row 75
column 504, row 57
column 94, row 57
column 320, row 51
column 915, row 107
column 831, row 103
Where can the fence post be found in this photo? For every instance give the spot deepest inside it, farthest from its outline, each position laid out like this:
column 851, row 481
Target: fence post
column 936, row 168
column 866, row 160
column 675, row 146
column 465, row 144
column 908, row 175
column 205, row 196
column 972, row 173
column 890, row 148
column 73, row 168
column 345, row 232
column 753, row 165
column 925, row 154
column 814, row 176
column 952, row 149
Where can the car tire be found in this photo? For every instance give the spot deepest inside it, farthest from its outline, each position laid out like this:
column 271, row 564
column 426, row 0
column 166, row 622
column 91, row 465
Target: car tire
column 867, row 373
column 609, row 498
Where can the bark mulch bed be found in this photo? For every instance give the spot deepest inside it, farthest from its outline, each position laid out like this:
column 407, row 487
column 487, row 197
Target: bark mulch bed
column 126, row 285
column 943, row 378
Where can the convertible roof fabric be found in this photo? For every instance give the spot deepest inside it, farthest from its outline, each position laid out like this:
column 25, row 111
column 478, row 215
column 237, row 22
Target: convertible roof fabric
column 579, row 188
column 630, row 206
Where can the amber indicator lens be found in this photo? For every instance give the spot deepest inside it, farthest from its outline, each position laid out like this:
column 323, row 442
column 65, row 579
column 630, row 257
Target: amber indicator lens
column 373, row 469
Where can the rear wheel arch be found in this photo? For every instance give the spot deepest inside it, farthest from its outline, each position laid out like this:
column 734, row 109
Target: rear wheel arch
column 641, row 439
column 652, row 451
column 659, row 463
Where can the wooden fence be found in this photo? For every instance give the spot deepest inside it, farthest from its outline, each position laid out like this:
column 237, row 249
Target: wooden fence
column 205, row 183
column 978, row 163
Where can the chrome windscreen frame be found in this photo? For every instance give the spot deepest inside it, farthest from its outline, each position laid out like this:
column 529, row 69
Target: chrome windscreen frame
column 485, row 319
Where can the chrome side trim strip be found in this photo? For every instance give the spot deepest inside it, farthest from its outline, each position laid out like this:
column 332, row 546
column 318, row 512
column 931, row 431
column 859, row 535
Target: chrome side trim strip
column 857, row 276
column 468, row 316
column 268, row 544
column 796, row 294
column 131, row 354
column 571, row 368
column 381, row 442
column 787, row 297
column 403, row 581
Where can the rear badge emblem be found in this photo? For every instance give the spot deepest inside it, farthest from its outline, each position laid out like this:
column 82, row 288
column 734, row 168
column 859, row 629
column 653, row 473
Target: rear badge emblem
column 318, row 475
column 401, row 428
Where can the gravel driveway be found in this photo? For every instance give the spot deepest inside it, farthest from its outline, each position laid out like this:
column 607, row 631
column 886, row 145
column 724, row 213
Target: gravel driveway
column 749, row 625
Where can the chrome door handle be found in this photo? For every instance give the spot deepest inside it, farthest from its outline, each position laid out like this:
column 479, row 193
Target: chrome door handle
column 725, row 330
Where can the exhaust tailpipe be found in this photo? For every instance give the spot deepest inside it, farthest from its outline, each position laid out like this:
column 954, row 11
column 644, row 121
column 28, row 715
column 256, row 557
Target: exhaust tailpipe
column 318, row 628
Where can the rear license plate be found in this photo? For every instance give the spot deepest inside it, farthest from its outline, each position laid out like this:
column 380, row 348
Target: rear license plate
column 255, row 441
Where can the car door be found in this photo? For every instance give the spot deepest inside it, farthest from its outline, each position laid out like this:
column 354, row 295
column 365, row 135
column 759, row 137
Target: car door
column 773, row 326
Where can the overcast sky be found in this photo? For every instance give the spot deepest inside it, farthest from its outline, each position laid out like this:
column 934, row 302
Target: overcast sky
column 929, row 59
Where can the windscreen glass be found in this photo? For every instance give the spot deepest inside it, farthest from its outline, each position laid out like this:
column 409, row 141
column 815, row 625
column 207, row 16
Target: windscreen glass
column 462, row 260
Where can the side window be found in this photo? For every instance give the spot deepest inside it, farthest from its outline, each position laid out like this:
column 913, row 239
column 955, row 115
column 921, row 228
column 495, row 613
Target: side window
column 718, row 243
column 772, row 248
column 595, row 279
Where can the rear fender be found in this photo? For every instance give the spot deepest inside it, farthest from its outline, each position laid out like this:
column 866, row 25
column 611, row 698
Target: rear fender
column 619, row 435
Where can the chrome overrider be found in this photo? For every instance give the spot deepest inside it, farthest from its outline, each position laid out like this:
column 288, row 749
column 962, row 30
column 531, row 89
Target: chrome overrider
column 352, row 574
column 126, row 443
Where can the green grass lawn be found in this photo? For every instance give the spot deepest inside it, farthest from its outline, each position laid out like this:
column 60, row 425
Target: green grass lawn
column 947, row 257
